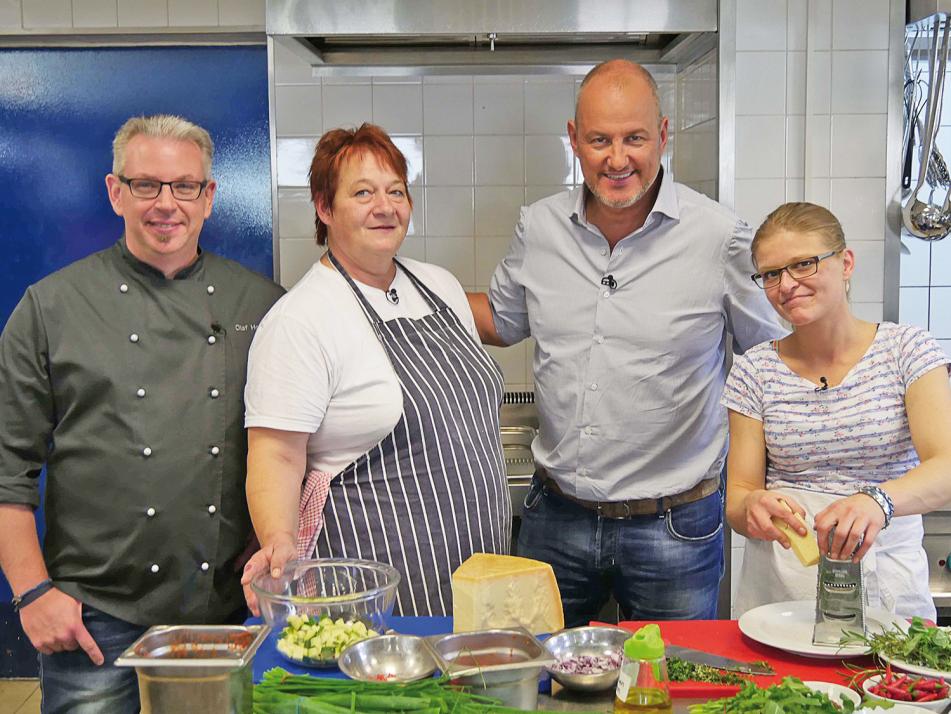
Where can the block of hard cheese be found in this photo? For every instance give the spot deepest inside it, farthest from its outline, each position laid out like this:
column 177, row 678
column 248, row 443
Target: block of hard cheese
column 805, row 547
column 491, row 591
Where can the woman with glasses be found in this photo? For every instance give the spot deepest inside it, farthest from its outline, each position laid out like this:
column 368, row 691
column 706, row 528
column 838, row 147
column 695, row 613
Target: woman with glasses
column 844, row 422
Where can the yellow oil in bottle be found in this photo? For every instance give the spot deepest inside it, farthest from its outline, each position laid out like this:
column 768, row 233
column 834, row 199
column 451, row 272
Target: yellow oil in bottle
column 644, row 701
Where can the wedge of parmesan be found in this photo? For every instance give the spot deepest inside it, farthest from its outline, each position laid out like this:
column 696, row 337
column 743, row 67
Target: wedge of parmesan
column 805, row 547
column 498, row 591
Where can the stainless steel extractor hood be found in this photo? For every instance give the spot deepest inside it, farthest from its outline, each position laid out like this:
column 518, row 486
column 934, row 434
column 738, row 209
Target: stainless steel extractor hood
column 421, row 32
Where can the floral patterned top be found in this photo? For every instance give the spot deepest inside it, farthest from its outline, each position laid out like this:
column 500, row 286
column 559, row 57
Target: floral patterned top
column 838, row 439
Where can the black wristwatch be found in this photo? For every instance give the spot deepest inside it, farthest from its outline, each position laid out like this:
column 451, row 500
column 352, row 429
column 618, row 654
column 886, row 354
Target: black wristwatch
column 37, row 591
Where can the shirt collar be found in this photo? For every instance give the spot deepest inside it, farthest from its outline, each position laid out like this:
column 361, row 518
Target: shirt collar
column 665, row 204
column 144, row 268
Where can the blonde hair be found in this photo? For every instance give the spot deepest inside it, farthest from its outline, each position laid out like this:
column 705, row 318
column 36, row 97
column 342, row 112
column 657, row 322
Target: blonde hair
column 161, row 126
column 801, row 217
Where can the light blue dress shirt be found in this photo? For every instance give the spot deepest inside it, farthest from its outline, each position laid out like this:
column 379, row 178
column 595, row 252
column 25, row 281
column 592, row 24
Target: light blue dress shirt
column 628, row 380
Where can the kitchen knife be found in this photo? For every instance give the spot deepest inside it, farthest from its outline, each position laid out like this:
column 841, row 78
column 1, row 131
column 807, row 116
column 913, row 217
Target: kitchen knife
column 720, row 662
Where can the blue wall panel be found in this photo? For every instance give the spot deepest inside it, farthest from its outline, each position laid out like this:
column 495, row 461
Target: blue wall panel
column 59, row 109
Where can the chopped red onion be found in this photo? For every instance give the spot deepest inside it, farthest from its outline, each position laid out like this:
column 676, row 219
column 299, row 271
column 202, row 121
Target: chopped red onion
column 589, row 664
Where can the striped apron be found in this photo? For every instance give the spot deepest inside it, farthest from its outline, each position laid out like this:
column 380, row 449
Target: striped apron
column 433, row 491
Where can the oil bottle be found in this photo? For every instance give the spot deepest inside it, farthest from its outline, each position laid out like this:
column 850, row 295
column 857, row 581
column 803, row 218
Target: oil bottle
column 643, row 686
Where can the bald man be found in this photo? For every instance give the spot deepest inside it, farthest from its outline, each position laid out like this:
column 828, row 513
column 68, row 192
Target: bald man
column 631, row 286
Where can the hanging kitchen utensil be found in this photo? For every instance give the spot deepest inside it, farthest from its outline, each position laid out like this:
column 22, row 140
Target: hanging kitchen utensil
column 924, row 219
column 840, row 601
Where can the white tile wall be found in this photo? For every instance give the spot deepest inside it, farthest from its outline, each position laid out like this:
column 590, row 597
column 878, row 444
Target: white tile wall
column 939, row 317
column 869, row 278
column 760, row 146
column 347, row 104
column 447, row 105
column 499, row 106
column 241, row 13
column 916, row 264
column 860, row 24
column 11, row 14
column 941, row 265
column 859, row 204
column 500, row 160
column 913, row 306
column 192, row 13
column 859, row 82
column 26, row 16
column 858, row 145
column 760, row 25
column 760, row 82
column 398, row 107
column 142, row 13
column 40, row 14
column 103, row 13
column 449, row 160
column 755, row 198
column 298, row 110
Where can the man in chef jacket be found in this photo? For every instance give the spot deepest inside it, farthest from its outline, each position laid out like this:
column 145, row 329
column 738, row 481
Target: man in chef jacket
column 631, row 286
column 123, row 374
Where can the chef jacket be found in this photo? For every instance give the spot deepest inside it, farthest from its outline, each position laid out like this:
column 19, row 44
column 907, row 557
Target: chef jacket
column 129, row 388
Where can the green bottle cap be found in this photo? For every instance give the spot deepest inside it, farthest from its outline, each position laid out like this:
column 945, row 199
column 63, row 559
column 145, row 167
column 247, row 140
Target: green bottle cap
column 645, row 644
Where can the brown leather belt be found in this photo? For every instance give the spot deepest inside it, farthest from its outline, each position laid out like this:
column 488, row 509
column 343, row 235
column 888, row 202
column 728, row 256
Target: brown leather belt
column 637, row 506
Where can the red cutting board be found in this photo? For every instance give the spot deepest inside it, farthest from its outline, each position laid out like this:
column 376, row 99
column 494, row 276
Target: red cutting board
column 723, row 637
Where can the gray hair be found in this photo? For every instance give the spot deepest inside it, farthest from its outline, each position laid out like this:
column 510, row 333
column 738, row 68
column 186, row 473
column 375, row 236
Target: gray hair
column 161, row 126
column 617, row 69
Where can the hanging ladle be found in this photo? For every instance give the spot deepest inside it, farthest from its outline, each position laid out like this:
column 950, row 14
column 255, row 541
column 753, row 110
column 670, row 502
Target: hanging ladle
column 924, row 219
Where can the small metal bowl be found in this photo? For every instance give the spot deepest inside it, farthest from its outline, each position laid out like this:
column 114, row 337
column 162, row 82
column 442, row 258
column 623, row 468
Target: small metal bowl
column 591, row 641
column 387, row 658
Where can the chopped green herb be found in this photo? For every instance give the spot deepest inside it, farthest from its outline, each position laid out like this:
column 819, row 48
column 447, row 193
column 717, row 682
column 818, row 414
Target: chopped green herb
column 790, row 697
column 923, row 645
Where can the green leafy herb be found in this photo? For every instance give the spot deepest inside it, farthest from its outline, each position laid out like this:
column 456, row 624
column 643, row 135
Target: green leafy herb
column 679, row 670
column 790, row 697
column 923, row 645
column 280, row 692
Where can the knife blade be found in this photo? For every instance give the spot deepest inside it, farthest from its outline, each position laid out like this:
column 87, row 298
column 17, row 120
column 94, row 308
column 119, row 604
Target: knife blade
column 712, row 660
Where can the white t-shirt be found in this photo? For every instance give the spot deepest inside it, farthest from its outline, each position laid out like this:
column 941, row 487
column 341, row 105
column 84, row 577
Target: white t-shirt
column 317, row 366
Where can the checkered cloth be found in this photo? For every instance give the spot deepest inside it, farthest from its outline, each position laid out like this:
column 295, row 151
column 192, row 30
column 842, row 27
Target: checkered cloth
column 311, row 514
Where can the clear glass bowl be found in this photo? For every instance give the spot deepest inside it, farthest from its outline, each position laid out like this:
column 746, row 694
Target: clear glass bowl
column 339, row 588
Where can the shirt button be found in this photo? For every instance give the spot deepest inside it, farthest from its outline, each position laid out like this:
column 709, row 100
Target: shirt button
column 150, row 511
column 123, row 288
column 214, row 393
column 204, row 567
column 604, row 251
column 211, row 289
column 606, row 294
column 140, row 392
column 211, row 339
column 594, row 386
column 587, row 430
column 214, row 451
column 133, row 337
column 599, row 339
column 212, row 509
column 147, row 451
column 154, row 568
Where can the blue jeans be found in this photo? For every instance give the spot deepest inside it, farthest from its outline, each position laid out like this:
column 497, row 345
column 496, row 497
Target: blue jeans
column 659, row 567
column 72, row 684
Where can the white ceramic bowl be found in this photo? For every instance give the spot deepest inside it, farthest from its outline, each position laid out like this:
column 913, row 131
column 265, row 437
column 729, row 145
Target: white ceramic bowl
column 835, row 692
column 935, row 706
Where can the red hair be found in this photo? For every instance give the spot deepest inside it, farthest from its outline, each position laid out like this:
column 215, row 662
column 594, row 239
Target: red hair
column 338, row 145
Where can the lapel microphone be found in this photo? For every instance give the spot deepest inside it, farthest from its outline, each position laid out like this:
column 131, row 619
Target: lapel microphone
column 392, row 296
column 825, row 384
column 608, row 281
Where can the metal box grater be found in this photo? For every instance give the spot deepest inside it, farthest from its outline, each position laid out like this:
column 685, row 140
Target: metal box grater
column 840, row 601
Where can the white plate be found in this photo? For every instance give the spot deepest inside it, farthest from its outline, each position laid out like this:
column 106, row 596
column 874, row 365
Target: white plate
column 788, row 626
column 917, row 669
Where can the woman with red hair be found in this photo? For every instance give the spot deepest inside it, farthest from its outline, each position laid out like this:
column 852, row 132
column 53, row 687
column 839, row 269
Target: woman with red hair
column 368, row 378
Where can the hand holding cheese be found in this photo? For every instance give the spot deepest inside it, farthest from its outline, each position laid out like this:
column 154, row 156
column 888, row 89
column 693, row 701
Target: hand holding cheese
column 497, row 591
column 804, row 546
